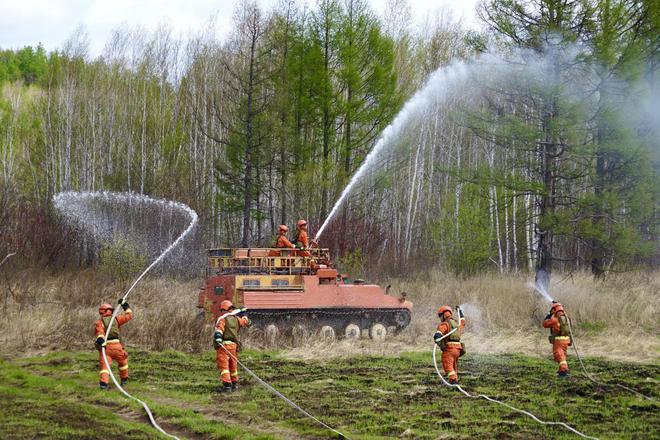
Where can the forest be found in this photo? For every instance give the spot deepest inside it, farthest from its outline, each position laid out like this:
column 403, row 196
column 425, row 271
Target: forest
column 552, row 172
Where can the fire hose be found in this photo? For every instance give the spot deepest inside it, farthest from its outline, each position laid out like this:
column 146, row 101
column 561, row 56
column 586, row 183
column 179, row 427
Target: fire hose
column 105, row 359
column 272, row 389
column 590, row 377
column 7, row 257
column 193, row 221
column 490, row 399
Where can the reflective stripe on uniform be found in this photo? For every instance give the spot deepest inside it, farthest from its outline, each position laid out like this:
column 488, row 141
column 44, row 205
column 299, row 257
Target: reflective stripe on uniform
column 104, row 371
column 112, row 341
column 451, row 373
column 234, row 374
column 562, row 338
column 563, row 363
column 100, row 336
column 228, row 342
column 454, row 344
column 125, row 367
column 224, row 372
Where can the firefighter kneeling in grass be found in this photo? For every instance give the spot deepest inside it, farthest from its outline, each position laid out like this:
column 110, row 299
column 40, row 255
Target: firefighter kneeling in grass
column 448, row 338
column 560, row 336
column 225, row 341
column 114, row 349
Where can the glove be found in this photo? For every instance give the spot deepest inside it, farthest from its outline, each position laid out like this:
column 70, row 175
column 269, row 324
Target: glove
column 124, row 305
column 242, row 312
column 217, row 339
column 548, row 316
column 99, row 341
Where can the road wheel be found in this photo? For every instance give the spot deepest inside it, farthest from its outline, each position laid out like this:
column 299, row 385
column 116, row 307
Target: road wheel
column 377, row 331
column 327, row 333
column 298, row 335
column 271, row 334
column 352, row 331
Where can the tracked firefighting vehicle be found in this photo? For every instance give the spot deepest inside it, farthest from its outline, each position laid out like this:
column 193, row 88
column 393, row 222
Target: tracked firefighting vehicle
column 289, row 290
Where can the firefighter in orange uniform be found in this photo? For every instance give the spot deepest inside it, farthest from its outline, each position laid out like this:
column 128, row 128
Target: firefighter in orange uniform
column 448, row 338
column 114, row 348
column 560, row 336
column 280, row 240
column 225, row 341
column 301, row 240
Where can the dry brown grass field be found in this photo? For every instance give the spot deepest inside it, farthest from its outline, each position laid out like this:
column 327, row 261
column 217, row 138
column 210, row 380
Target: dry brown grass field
column 616, row 318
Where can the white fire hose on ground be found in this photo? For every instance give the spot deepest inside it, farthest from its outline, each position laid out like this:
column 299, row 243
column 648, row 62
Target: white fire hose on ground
column 590, row 377
column 272, row 389
column 490, row 399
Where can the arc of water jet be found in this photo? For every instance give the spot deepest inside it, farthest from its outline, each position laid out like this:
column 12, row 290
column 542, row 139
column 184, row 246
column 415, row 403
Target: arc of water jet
column 61, row 197
column 432, row 89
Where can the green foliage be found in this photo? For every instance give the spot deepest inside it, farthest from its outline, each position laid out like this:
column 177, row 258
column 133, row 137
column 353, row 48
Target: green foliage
column 463, row 237
column 121, row 259
column 352, row 263
column 27, row 64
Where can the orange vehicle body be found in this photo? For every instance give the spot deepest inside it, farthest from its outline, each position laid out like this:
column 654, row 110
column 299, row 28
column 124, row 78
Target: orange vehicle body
column 290, row 289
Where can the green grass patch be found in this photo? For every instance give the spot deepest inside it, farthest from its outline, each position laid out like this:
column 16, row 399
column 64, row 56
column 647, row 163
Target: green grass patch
column 365, row 397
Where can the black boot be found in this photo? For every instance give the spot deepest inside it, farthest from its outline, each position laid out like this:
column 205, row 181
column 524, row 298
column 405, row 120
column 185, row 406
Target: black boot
column 233, row 386
column 103, row 386
column 123, row 381
column 563, row 374
column 225, row 388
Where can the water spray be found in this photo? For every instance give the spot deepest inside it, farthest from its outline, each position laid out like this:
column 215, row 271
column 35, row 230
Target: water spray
column 61, row 200
column 540, row 288
column 420, row 100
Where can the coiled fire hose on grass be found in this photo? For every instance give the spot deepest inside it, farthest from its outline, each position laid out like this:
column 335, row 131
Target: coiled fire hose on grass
column 272, row 389
column 490, row 399
column 590, row 377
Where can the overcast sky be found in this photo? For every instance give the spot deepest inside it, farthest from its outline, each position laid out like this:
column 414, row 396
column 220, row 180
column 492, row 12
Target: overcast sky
column 51, row 22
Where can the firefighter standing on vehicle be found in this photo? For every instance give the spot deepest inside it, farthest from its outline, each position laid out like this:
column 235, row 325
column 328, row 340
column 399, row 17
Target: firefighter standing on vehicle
column 225, row 341
column 114, row 348
column 302, row 241
column 448, row 338
column 560, row 336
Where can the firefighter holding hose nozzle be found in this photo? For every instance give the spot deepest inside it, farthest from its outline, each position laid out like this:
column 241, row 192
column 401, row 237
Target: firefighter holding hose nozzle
column 225, row 341
column 560, row 336
column 114, row 348
column 448, row 338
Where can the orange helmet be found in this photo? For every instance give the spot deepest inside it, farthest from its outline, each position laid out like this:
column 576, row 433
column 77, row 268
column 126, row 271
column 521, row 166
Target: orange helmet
column 104, row 308
column 226, row 305
column 442, row 310
column 556, row 308
column 301, row 223
column 283, row 228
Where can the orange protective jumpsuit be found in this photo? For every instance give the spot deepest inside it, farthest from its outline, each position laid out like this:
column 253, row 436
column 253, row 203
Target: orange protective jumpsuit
column 452, row 351
column 226, row 357
column 302, row 240
column 280, row 242
column 114, row 349
column 560, row 340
